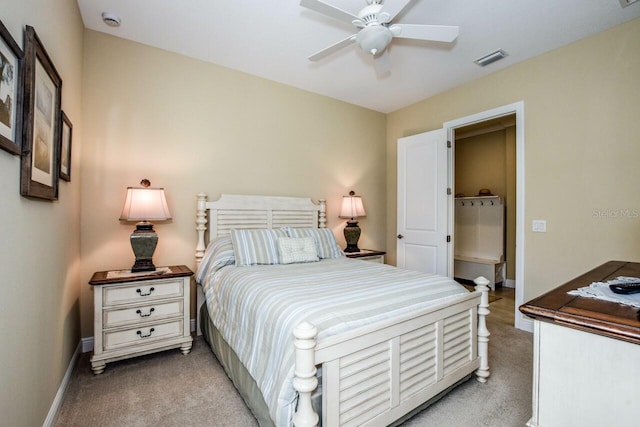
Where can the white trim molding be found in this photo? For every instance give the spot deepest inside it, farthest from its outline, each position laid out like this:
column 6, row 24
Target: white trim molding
column 62, row 390
column 517, row 108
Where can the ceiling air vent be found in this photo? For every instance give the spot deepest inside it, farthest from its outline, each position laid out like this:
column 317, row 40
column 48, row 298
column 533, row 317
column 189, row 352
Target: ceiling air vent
column 625, row 3
column 492, row 57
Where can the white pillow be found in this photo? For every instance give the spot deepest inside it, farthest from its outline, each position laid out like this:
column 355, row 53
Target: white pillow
column 297, row 249
column 326, row 241
column 259, row 246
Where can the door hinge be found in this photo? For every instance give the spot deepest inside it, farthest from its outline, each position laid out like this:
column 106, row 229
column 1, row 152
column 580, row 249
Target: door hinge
column 448, row 191
column 448, row 144
column 448, row 239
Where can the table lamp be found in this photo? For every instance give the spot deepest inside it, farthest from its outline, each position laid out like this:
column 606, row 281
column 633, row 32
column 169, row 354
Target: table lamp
column 352, row 208
column 144, row 204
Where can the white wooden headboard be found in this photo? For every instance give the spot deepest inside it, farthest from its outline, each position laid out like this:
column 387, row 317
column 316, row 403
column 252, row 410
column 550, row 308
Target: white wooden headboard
column 238, row 211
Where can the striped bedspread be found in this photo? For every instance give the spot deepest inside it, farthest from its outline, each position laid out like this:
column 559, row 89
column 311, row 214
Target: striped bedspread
column 257, row 308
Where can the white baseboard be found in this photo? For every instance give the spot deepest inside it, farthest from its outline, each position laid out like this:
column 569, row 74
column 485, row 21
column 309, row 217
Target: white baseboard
column 57, row 401
column 87, row 344
column 523, row 322
column 510, row 283
column 194, row 323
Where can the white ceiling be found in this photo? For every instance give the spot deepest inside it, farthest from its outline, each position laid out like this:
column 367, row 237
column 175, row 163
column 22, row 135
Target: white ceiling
column 272, row 39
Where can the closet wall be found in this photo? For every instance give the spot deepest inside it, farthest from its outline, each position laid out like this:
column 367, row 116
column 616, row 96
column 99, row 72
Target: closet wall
column 486, row 159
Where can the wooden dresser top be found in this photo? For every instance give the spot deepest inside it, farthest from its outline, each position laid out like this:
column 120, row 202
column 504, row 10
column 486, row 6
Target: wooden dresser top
column 589, row 314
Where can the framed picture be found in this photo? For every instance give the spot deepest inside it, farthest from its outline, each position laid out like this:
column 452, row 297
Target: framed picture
column 41, row 118
column 11, row 73
column 66, row 129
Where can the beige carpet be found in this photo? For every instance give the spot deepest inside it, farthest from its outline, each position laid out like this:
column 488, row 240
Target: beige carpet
column 169, row 389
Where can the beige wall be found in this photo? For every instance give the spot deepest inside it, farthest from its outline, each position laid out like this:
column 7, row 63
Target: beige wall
column 581, row 150
column 40, row 244
column 192, row 127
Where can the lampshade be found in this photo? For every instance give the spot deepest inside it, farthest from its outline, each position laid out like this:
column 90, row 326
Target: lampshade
column 352, row 206
column 145, row 204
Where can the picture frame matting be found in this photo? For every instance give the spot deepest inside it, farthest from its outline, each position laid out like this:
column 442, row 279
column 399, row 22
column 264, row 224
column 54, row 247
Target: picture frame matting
column 40, row 164
column 11, row 86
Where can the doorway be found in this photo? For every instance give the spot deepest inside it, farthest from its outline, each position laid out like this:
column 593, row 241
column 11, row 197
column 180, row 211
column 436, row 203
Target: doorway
column 478, row 123
column 485, row 206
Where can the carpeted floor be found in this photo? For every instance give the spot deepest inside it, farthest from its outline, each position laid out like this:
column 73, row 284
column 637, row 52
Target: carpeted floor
column 170, row 389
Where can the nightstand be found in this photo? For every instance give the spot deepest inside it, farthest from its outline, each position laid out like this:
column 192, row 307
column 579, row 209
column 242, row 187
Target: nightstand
column 140, row 313
column 367, row 255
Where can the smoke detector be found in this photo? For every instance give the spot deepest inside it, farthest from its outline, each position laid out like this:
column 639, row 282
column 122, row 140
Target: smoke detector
column 111, row 20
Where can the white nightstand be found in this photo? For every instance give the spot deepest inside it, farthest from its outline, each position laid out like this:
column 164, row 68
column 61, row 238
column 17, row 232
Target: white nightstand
column 367, row 255
column 140, row 313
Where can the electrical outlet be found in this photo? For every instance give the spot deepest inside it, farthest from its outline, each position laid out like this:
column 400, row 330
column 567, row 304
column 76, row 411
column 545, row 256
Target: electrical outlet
column 539, row 226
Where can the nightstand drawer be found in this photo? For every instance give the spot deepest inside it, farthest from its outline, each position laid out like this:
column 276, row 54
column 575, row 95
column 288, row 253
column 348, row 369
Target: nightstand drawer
column 142, row 334
column 142, row 313
column 143, row 291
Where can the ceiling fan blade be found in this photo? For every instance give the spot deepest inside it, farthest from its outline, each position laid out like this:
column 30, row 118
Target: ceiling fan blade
column 329, row 10
column 333, row 48
column 393, row 8
column 382, row 63
column 438, row 33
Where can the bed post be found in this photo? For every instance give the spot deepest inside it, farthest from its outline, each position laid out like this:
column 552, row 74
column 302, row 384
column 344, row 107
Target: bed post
column 201, row 221
column 305, row 380
column 483, row 333
column 322, row 214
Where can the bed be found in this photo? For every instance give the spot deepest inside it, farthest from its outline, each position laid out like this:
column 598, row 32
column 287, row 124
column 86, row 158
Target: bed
column 297, row 358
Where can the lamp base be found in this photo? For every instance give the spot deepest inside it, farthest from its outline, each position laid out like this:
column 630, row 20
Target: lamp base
column 351, row 235
column 143, row 242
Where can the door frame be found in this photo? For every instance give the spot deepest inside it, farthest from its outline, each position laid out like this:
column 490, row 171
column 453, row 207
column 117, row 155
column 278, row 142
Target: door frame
column 517, row 108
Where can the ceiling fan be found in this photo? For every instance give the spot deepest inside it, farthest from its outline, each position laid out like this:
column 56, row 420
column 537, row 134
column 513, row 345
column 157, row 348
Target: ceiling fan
column 377, row 30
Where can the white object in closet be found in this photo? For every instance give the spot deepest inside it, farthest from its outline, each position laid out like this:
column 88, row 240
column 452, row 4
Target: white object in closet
column 479, row 238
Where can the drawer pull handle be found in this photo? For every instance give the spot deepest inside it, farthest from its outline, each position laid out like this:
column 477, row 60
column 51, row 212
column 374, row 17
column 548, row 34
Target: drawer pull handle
column 151, row 310
column 147, row 294
column 147, row 335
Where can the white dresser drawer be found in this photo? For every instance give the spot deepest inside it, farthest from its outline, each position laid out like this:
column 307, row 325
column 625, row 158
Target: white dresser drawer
column 142, row 334
column 141, row 292
column 142, row 313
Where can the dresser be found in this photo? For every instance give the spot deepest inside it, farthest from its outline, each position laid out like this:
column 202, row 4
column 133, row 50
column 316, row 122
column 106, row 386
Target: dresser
column 586, row 355
column 140, row 313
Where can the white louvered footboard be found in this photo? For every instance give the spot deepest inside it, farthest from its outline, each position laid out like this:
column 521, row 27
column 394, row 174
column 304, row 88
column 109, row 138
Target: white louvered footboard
column 375, row 375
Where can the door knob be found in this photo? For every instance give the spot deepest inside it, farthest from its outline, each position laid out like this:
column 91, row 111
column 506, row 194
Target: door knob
column 400, row 236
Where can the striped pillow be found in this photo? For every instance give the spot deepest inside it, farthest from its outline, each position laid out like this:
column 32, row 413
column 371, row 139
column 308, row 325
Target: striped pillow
column 326, row 241
column 297, row 249
column 259, row 246
column 219, row 253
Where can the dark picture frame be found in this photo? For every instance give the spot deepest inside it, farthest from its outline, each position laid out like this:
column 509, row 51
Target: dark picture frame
column 11, row 85
column 66, row 136
column 41, row 131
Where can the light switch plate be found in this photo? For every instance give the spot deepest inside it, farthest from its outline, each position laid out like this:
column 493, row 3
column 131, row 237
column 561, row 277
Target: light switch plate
column 539, row 226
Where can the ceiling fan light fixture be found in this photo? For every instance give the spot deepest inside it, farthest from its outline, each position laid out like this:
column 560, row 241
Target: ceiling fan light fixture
column 625, row 3
column 374, row 38
column 491, row 58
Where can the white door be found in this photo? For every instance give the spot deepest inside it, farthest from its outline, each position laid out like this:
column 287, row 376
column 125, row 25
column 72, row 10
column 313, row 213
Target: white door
column 422, row 203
